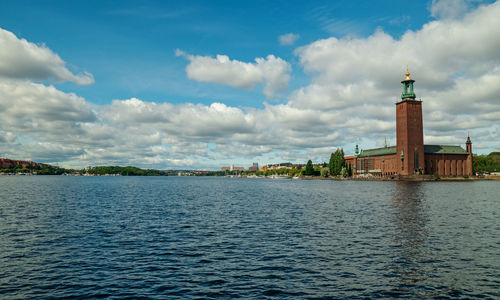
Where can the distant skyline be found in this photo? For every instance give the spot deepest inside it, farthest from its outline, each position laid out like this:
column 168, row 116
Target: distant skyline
column 200, row 85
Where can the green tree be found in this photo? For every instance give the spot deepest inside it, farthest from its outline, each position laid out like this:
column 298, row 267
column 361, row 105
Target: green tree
column 325, row 172
column 331, row 163
column 487, row 163
column 309, row 168
column 336, row 162
column 350, row 170
column 294, row 172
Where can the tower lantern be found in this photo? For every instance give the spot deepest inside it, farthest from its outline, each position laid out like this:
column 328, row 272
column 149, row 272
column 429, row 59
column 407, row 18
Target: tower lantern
column 407, row 93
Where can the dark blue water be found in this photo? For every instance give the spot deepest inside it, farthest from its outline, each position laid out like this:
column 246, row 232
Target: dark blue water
column 175, row 237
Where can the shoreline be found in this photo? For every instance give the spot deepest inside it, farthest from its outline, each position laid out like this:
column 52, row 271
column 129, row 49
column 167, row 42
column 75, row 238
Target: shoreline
column 420, row 178
column 407, row 179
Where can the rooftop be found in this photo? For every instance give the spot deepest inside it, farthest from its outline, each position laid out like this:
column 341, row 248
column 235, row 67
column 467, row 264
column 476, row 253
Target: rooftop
column 428, row 149
column 378, row 151
column 443, row 149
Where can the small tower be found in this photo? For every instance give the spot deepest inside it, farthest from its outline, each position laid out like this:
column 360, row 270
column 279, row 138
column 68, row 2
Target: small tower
column 468, row 147
column 355, row 163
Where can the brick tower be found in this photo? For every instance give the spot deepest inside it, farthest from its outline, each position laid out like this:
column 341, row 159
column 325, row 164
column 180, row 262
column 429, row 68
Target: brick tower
column 469, row 170
column 409, row 131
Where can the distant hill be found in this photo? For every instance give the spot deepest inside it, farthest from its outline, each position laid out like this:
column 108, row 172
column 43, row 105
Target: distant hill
column 6, row 163
column 11, row 166
column 124, row 171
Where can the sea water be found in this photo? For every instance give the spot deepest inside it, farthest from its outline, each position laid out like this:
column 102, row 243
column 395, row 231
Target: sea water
column 200, row 237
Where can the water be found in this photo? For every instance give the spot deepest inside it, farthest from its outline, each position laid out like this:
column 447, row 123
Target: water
column 175, row 237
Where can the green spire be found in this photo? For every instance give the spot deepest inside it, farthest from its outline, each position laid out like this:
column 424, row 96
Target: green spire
column 407, row 87
column 356, row 151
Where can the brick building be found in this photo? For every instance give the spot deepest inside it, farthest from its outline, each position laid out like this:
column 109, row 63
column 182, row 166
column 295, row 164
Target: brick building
column 254, row 167
column 411, row 156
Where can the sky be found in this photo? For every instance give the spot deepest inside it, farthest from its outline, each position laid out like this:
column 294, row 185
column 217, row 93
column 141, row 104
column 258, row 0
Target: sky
column 206, row 84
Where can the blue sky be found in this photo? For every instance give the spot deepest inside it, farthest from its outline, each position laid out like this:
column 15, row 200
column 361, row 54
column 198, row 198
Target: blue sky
column 201, row 84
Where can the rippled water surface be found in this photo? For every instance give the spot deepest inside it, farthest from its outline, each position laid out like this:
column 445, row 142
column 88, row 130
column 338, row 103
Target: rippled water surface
column 176, row 237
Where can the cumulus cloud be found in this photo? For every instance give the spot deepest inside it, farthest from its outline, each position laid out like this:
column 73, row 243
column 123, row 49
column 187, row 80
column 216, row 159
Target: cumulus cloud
column 194, row 122
column 35, row 109
column 288, row 39
column 448, row 9
column 271, row 71
column 20, row 59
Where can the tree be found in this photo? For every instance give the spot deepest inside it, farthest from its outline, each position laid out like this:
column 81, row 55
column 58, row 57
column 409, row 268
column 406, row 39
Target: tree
column 325, row 172
column 336, row 162
column 309, row 168
column 487, row 163
column 294, row 172
column 331, row 163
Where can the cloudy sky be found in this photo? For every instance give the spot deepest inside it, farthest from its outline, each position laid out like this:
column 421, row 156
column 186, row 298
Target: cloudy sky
column 199, row 85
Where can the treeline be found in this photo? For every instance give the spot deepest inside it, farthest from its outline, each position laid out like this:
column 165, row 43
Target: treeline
column 487, row 163
column 335, row 167
column 123, row 171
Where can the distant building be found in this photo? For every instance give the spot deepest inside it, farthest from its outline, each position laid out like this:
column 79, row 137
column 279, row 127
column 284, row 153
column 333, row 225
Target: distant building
column 286, row 165
column 232, row 168
column 254, row 167
column 410, row 156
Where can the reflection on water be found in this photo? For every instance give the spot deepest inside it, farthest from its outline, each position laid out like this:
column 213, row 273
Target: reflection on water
column 409, row 247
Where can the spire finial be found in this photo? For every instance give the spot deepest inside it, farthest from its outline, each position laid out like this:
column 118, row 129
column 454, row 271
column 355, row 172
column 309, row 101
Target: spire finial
column 407, row 73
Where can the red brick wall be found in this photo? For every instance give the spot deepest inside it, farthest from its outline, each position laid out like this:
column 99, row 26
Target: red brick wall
column 447, row 164
column 378, row 165
column 409, row 136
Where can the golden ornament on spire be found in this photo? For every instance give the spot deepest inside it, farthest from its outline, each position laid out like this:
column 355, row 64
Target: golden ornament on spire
column 407, row 73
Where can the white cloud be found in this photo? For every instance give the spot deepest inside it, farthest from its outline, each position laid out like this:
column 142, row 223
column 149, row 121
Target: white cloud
column 194, row 122
column 20, row 59
column 33, row 107
column 271, row 71
column 288, row 39
column 448, row 9
column 8, row 138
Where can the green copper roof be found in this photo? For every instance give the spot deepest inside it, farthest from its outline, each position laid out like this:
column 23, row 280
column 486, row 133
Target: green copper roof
column 378, row 151
column 428, row 149
column 443, row 149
